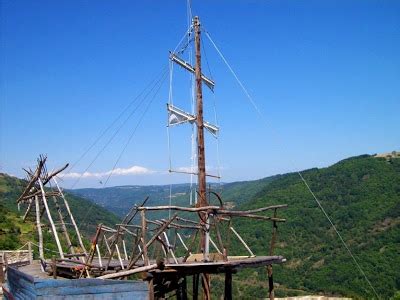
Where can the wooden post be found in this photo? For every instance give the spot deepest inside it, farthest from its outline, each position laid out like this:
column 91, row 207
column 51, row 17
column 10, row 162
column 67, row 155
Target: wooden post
column 201, row 159
column 146, row 257
column 30, row 252
column 39, row 227
column 205, row 282
column 2, row 278
column 53, row 227
column 271, row 252
column 223, row 248
column 27, row 210
column 107, row 245
column 181, row 292
column 125, row 253
column 119, row 257
column 145, row 254
column 270, row 283
column 54, row 267
column 99, row 255
column 195, row 286
column 71, row 216
column 150, row 242
column 199, row 120
column 94, row 243
column 228, row 285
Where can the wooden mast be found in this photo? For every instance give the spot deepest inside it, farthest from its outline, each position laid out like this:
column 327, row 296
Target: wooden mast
column 201, row 159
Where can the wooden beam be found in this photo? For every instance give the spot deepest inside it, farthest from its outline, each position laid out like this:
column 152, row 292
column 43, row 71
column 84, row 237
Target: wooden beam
column 243, row 242
column 150, row 242
column 63, row 227
column 143, row 238
column 228, row 286
column 213, row 209
column 129, row 272
column 251, row 211
column 27, row 210
column 53, row 227
column 31, row 183
column 39, row 227
column 78, row 234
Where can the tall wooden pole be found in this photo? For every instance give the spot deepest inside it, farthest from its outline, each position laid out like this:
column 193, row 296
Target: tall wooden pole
column 201, row 158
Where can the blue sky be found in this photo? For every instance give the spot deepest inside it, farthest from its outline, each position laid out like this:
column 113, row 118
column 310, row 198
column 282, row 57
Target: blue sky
column 325, row 74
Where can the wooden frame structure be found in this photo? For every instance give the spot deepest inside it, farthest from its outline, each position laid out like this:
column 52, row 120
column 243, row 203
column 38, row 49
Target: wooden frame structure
column 37, row 196
column 164, row 250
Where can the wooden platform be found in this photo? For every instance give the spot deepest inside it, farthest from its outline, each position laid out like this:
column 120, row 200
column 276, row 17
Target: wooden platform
column 233, row 263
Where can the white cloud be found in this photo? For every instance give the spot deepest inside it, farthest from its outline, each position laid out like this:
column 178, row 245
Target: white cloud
column 134, row 170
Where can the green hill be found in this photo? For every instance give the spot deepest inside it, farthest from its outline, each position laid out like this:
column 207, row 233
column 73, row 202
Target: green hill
column 14, row 233
column 362, row 196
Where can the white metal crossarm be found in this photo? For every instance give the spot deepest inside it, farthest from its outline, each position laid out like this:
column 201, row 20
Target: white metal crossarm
column 210, row 83
column 177, row 116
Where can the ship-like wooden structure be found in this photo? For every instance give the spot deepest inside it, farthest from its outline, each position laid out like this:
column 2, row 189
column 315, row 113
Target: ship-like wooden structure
column 165, row 245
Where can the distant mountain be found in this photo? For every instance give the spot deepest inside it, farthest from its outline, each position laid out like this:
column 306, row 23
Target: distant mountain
column 362, row 196
column 14, row 233
column 120, row 199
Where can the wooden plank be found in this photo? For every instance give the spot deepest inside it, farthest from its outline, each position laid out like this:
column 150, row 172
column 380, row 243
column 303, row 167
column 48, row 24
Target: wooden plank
column 129, row 272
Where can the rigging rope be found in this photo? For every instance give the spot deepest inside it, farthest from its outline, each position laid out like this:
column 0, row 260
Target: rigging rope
column 215, row 116
column 119, row 128
column 134, row 131
column 112, row 123
column 261, row 115
column 160, row 83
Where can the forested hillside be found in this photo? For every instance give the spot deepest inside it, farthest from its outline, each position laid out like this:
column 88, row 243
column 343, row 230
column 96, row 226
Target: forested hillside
column 361, row 194
column 14, row 233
